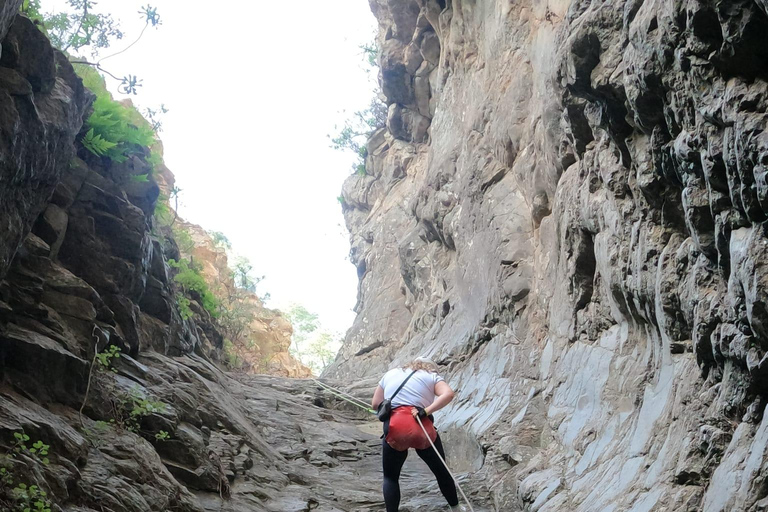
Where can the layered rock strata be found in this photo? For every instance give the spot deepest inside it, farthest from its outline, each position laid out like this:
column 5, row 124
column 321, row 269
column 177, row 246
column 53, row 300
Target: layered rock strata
column 566, row 209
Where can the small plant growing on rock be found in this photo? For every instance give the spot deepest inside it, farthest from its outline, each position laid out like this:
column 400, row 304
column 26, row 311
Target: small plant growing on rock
column 129, row 409
column 183, row 304
column 31, row 498
column 190, row 279
column 39, row 450
column 96, row 144
column 20, row 440
column 162, row 436
column 105, row 358
column 22, row 497
column 6, row 477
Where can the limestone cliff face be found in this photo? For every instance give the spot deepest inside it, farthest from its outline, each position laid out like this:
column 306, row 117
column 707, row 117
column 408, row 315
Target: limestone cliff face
column 567, row 210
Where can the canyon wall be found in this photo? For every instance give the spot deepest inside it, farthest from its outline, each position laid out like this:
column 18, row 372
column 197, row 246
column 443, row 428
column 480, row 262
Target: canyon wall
column 566, row 210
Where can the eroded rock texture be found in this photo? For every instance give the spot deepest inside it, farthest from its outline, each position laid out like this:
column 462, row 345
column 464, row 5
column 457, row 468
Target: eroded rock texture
column 566, row 209
column 41, row 109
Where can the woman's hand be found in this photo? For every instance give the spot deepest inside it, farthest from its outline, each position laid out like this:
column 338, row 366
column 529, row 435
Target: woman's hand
column 419, row 412
column 444, row 395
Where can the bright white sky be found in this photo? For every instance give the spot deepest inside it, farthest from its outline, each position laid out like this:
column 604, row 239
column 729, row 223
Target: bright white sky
column 253, row 89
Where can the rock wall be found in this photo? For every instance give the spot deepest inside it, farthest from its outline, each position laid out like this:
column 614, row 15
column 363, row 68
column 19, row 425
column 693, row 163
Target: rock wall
column 566, row 210
column 41, row 109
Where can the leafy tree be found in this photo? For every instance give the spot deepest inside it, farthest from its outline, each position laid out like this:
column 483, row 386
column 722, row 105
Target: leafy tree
column 356, row 131
column 184, row 240
column 81, row 27
column 237, row 313
column 311, row 344
column 154, row 117
column 220, row 240
column 241, row 273
column 322, row 350
column 304, row 323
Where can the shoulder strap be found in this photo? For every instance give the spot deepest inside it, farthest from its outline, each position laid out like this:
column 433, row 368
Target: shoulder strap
column 403, row 384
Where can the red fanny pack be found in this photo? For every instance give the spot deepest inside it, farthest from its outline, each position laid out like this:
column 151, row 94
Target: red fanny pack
column 405, row 432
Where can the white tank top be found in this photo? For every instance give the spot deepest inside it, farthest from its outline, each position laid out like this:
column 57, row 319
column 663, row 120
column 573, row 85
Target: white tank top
column 419, row 391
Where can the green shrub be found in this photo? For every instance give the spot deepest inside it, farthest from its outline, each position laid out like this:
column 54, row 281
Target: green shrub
column 184, row 240
column 232, row 359
column 31, row 498
column 115, row 131
column 130, row 408
column 144, row 407
column 189, row 278
column 155, row 158
column 183, row 303
column 162, row 210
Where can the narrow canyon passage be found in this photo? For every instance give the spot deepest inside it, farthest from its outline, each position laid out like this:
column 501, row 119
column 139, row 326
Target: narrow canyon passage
column 332, row 450
column 562, row 203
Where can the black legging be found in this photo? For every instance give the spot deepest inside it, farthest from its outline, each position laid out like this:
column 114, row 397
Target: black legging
column 393, row 461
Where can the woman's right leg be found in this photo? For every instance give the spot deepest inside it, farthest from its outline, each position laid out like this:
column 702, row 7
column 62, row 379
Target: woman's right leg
column 392, row 462
column 444, row 479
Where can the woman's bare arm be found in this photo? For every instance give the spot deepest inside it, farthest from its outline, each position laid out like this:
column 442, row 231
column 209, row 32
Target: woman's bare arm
column 444, row 396
column 378, row 397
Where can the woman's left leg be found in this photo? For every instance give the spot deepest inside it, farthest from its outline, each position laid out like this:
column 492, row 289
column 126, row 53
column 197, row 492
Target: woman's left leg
column 392, row 463
column 444, row 479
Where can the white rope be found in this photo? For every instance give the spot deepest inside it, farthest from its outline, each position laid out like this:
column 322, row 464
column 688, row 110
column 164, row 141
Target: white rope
column 444, row 464
column 341, row 394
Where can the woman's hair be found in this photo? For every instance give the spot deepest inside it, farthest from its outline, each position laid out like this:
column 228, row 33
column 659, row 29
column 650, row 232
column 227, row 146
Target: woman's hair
column 422, row 363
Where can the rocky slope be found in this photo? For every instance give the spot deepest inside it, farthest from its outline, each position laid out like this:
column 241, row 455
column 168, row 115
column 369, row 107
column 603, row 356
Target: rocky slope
column 566, row 209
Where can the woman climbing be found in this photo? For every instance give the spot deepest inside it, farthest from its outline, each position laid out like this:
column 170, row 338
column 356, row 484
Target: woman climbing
column 416, row 390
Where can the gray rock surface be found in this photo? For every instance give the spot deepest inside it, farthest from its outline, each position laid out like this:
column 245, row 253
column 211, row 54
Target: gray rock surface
column 41, row 110
column 578, row 238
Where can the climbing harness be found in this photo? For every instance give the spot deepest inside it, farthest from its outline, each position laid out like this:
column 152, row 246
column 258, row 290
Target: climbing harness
column 357, row 402
column 348, row 398
column 444, row 464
